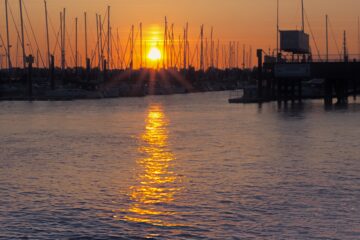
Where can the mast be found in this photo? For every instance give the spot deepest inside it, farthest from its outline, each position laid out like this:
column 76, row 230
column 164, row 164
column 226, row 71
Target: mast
column 109, row 38
column 141, row 46
column 244, row 57
column 212, row 48
column 277, row 30
column 101, row 43
column 202, row 47
column 7, row 36
column 61, row 38
column 98, row 39
column 47, row 34
column 302, row 15
column 359, row 37
column 165, row 43
column 184, row 48
column 132, row 48
column 86, row 40
column 63, row 61
column 345, row 49
column 327, row 38
column 76, row 43
column 22, row 35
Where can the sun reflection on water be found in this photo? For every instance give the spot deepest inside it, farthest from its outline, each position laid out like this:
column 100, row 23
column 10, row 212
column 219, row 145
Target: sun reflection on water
column 157, row 184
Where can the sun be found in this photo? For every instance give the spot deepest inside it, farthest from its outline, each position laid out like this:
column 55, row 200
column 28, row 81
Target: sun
column 154, row 54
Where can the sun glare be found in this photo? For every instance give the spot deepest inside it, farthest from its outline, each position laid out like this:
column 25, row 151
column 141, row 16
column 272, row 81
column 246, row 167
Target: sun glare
column 154, row 54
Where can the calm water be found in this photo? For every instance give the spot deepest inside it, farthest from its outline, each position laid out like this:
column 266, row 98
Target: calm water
column 178, row 167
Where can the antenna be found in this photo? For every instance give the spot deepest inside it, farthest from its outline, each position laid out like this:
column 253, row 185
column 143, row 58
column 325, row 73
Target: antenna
column 109, row 38
column 7, row 35
column 302, row 15
column 47, row 35
column 327, row 38
column 277, row 30
column 86, row 42
column 22, row 34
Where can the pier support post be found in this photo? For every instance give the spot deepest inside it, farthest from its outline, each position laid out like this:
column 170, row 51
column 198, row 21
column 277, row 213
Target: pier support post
column 260, row 74
column 52, row 72
column 293, row 90
column 300, row 90
column 279, row 89
column 328, row 92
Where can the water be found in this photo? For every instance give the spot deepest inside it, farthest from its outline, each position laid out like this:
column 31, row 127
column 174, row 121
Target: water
column 178, row 167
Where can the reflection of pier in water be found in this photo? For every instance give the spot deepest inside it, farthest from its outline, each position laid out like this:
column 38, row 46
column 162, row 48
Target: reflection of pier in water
column 157, row 186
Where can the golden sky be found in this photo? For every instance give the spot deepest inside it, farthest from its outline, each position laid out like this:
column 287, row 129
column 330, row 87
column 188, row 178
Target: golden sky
column 251, row 22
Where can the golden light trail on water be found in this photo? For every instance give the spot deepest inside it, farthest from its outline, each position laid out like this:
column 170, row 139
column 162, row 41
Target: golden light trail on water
column 157, row 184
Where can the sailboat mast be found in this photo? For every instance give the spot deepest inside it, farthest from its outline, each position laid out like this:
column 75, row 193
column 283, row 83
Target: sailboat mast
column 141, row 46
column 202, row 47
column 132, row 48
column 7, row 36
column 302, row 15
column 22, row 34
column 86, row 40
column 64, row 38
column 76, row 43
column 327, row 38
column 165, row 44
column 109, row 38
column 359, row 37
column 47, row 34
column 277, row 30
column 101, row 43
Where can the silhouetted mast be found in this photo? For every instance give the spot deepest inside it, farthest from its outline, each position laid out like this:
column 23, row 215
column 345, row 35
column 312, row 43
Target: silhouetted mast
column 202, row 47
column 302, row 15
column 86, row 40
column 76, row 43
column 165, row 43
column 63, row 40
column 141, row 46
column 22, row 34
column 327, row 38
column 109, row 39
column 98, row 39
column 47, row 34
column 132, row 48
column 346, row 58
column 277, row 31
column 7, row 36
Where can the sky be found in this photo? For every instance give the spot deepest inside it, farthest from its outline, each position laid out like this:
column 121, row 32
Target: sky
column 250, row 22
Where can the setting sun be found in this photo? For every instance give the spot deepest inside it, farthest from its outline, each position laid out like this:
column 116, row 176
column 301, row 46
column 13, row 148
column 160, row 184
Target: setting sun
column 154, row 54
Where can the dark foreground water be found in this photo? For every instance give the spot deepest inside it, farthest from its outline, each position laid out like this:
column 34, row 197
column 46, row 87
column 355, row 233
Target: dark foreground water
column 178, row 167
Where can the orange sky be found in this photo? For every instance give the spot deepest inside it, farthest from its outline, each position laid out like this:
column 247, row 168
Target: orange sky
column 251, row 22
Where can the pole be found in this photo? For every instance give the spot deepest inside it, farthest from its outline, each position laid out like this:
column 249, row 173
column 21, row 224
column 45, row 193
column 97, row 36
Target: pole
column 277, row 31
column 86, row 40
column 64, row 40
column 7, row 36
column 22, row 34
column 202, row 48
column 76, row 44
column 61, row 38
column 47, row 35
column 101, row 43
column 132, row 48
column 109, row 39
column 98, row 39
column 141, row 46
column 165, row 44
column 327, row 38
column 303, row 17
